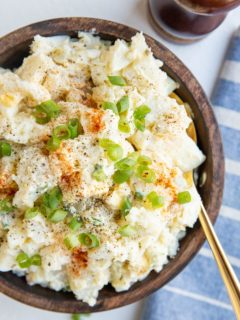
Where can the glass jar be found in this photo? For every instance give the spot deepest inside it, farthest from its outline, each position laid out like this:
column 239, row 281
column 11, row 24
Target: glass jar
column 189, row 20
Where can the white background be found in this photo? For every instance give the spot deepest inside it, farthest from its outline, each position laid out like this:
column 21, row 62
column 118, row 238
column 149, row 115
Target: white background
column 204, row 58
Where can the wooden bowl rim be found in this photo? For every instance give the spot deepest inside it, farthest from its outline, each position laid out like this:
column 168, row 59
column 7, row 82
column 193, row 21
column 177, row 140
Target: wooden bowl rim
column 150, row 284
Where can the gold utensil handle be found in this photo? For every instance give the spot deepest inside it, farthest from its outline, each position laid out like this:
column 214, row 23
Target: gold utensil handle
column 226, row 270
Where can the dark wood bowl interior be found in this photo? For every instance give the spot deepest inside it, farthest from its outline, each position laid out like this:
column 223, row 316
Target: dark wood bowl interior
column 13, row 48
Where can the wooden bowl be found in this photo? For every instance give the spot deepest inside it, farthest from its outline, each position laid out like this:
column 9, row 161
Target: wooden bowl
column 13, row 48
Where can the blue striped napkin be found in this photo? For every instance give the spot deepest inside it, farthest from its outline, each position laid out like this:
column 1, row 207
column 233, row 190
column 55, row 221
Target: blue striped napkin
column 198, row 292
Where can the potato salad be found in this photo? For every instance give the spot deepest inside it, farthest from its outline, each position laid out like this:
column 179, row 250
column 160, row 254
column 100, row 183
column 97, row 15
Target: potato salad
column 95, row 165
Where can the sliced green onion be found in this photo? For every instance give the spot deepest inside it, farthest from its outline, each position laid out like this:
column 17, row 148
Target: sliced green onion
column 51, row 108
column 144, row 160
column 98, row 173
column 53, row 198
column 140, row 124
column 139, row 117
column 141, row 112
column 155, row 200
column 36, row 260
column 123, row 125
column 184, row 197
column 45, row 211
column 125, row 163
column 138, row 195
column 117, row 81
column 5, row 149
column 6, row 206
column 89, row 240
column 46, row 111
column 146, row 174
column 126, row 207
column 111, row 106
column 121, row 176
column 71, row 241
column 75, row 224
column 53, row 143
column 123, row 104
column 134, row 155
column 115, row 152
column 62, row 132
column 106, row 143
column 127, row 230
column 40, row 118
column 75, row 128
column 31, row 213
column 79, row 316
column 23, row 260
column 57, row 215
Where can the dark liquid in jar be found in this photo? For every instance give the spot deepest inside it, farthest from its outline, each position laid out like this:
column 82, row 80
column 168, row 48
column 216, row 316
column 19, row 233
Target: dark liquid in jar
column 209, row 6
column 173, row 17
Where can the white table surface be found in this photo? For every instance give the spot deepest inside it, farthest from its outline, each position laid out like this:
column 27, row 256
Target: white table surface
column 204, row 58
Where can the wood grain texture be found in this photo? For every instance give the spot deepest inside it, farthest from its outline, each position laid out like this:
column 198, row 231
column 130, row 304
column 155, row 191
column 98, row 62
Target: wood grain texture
column 13, row 48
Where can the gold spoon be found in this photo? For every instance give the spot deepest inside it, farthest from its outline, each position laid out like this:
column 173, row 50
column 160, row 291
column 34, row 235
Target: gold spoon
column 228, row 275
column 226, row 270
